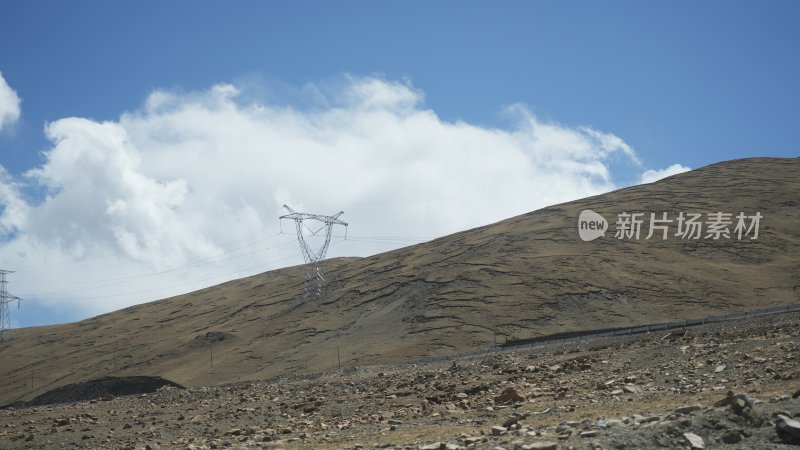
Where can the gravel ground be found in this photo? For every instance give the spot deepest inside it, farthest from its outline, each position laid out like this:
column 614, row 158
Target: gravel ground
column 730, row 385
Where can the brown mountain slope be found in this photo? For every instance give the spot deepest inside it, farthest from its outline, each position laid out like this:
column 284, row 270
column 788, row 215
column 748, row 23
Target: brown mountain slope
column 525, row 276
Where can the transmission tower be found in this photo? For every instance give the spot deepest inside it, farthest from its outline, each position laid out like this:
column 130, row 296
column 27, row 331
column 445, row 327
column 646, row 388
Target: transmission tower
column 314, row 279
column 5, row 299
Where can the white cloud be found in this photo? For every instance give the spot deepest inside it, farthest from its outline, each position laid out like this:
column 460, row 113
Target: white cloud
column 9, row 104
column 650, row 176
column 14, row 209
column 375, row 93
column 192, row 175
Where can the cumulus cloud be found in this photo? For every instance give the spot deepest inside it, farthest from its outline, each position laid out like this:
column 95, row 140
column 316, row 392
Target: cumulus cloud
column 14, row 208
column 9, row 104
column 186, row 191
column 650, row 176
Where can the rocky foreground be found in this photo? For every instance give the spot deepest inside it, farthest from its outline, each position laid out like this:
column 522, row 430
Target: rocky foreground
column 728, row 385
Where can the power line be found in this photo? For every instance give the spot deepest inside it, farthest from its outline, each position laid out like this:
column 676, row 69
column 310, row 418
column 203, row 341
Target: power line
column 370, row 212
column 440, row 199
column 237, row 272
column 145, row 291
column 196, row 263
column 216, row 258
column 127, row 279
column 398, row 238
column 388, row 240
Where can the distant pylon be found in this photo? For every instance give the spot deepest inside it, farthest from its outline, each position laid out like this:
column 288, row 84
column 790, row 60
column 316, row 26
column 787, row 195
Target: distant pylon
column 315, row 280
column 5, row 299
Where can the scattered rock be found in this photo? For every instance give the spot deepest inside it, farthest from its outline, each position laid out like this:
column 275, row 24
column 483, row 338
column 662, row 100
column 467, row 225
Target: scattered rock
column 497, row 430
column 732, row 437
column 481, row 392
column 689, row 409
column 725, row 401
column 434, row 446
column 695, row 441
column 740, row 405
column 508, row 396
column 788, row 430
column 543, row 445
column 631, row 389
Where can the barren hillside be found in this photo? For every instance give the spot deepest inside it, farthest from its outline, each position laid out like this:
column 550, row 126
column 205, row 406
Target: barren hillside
column 522, row 277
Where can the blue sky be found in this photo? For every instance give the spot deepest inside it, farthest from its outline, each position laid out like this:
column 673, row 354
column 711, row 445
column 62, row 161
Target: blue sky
column 689, row 83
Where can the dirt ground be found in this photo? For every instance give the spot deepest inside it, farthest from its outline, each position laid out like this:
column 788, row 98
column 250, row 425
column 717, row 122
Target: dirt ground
column 725, row 385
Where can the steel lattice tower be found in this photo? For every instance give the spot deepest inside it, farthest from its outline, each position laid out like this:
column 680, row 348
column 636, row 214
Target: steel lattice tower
column 5, row 299
column 314, row 278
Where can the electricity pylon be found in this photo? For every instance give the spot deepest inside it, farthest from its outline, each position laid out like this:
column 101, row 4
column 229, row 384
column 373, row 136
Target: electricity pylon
column 5, row 299
column 314, row 279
